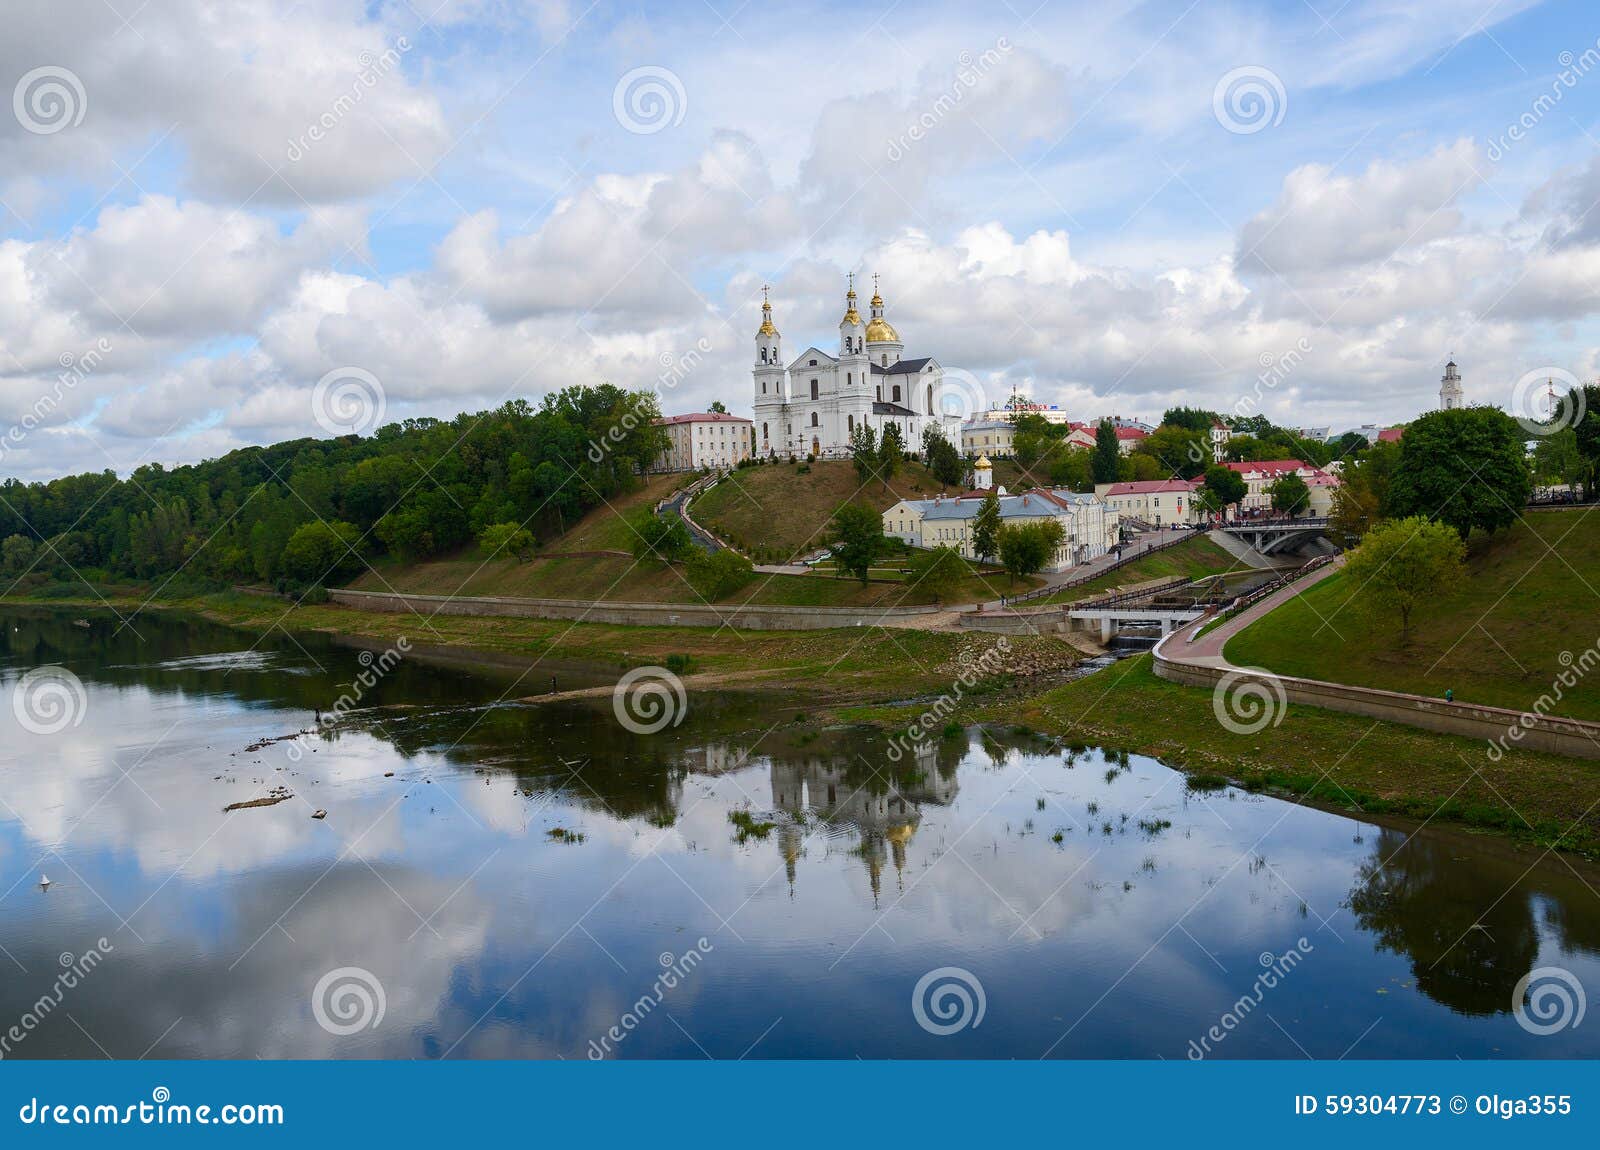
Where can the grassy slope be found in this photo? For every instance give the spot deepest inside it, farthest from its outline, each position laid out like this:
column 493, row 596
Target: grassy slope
column 621, row 580
column 1194, row 558
column 1339, row 760
column 1532, row 593
column 780, row 511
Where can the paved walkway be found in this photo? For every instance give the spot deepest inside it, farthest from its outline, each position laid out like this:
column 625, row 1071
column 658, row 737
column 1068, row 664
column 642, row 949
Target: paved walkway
column 1206, row 651
column 1087, row 571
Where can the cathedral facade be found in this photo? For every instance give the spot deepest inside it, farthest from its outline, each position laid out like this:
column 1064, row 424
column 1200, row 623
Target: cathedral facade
column 813, row 404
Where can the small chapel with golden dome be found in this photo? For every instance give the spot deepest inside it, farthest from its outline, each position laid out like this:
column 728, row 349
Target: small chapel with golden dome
column 814, row 403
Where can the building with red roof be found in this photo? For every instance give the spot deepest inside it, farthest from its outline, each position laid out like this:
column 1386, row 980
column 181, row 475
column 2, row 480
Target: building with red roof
column 705, row 439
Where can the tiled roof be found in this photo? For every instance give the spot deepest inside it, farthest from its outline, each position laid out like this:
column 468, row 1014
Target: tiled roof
column 1151, row 486
column 704, row 417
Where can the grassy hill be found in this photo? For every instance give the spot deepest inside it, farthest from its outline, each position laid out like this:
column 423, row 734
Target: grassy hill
column 780, row 511
column 1530, row 605
column 557, row 573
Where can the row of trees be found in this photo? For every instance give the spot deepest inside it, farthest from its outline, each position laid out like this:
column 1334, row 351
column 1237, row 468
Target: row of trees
column 857, row 539
column 311, row 511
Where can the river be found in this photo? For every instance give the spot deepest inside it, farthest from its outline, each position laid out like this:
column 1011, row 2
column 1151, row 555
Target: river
column 505, row 879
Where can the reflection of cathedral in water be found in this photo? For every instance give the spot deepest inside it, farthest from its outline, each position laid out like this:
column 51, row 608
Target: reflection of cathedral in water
column 844, row 793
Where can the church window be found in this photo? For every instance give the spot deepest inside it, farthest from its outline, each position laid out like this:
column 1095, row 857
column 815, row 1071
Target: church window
column 897, row 393
column 849, row 378
column 813, row 389
column 880, row 392
column 885, row 358
column 814, row 419
column 851, row 420
column 763, row 355
column 930, row 399
column 813, row 363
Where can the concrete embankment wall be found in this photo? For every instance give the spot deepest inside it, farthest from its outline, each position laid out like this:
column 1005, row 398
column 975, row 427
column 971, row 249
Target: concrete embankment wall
column 1044, row 621
column 630, row 614
column 1492, row 724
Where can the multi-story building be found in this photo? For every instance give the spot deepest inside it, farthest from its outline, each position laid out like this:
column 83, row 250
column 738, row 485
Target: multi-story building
column 1089, row 527
column 1261, row 475
column 988, row 437
column 1161, row 502
column 706, row 439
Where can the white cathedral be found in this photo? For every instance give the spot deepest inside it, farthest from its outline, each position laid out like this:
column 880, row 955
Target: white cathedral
column 815, row 404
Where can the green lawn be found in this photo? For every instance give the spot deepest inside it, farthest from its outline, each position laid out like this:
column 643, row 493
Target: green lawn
column 1530, row 604
column 778, row 511
column 1340, row 760
column 1193, row 558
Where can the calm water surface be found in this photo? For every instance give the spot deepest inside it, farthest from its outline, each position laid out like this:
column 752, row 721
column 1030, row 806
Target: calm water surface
column 1098, row 908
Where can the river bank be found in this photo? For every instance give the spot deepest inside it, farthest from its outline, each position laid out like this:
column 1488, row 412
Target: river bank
column 846, row 666
column 889, row 679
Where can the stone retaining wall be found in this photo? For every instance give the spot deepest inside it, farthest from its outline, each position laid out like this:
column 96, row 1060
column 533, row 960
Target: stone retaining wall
column 1551, row 735
column 630, row 614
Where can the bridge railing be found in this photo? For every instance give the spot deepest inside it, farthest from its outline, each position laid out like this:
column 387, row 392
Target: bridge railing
column 1245, row 602
column 1090, row 576
column 1274, row 524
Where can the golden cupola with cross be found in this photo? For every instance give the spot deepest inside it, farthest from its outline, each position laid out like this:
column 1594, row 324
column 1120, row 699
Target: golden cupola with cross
column 883, row 342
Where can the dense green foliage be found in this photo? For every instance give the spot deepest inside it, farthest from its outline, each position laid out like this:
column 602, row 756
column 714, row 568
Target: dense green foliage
column 1405, row 563
column 1466, row 467
column 413, row 490
column 1290, row 495
column 857, row 535
column 986, row 527
column 1028, row 547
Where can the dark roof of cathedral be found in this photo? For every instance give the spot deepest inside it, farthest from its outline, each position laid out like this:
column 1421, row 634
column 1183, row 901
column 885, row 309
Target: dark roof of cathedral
column 903, row 367
column 880, row 407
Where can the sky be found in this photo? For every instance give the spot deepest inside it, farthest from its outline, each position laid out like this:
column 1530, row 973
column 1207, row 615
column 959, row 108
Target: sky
column 232, row 222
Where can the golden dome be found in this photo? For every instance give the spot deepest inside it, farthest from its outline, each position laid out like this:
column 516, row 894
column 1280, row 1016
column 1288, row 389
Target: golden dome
column 851, row 315
column 983, row 464
column 766, row 321
column 880, row 330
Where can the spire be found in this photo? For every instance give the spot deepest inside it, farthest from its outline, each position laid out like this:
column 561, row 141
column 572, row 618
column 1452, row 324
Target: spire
column 880, row 330
column 851, row 315
column 766, row 314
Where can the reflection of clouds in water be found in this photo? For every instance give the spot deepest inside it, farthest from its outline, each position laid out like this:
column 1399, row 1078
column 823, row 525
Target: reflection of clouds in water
column 70, row 790
column 263, row 1006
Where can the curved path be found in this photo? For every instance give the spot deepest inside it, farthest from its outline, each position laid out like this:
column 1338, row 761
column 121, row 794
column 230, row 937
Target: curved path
column 1186, row 656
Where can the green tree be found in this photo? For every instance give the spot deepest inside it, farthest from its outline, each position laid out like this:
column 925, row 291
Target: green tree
column 891, row 453
column 16, row 555
column 503, row 540
column 1193, row 418
column 938, row 572
column 719, row 574
column 1177, row 450
column 717, row 406
column 321, row 552
column 1556, row 458
column 1587, row 430
column 1028, row 547
column 1290, row 495
column 1106, row 452
column 663, row 539
column 864, row 452
column 1226, row 485
column 1402, row 564
column 857, row 537
column 1072, row 469
column 986, row 527
column 1465, row 467
column 942, row 457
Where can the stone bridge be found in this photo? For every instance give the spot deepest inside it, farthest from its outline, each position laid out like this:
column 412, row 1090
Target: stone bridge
column 1268, row 536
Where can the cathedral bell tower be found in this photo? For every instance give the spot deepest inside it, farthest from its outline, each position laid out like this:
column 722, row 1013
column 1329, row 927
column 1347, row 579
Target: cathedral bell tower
column 770, row 382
